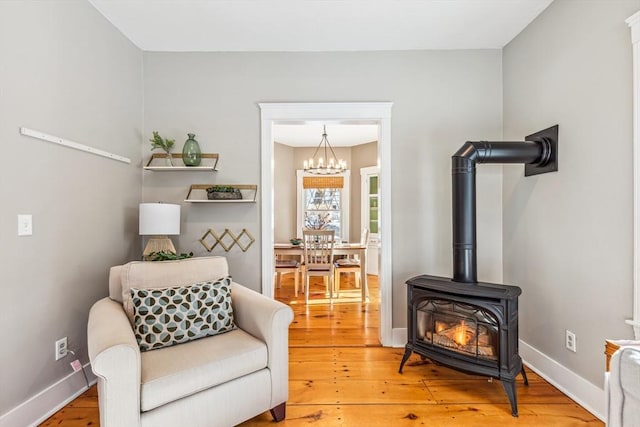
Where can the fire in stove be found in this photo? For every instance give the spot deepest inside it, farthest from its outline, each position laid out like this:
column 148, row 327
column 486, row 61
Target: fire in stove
column 469, row 330
column 462, row 338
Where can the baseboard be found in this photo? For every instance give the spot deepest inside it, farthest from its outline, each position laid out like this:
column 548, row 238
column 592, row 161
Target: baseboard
column 585, row 393
column 398, row 337
column 49, row 401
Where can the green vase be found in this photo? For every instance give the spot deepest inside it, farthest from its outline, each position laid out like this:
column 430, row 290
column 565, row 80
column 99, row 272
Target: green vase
column 191, row 154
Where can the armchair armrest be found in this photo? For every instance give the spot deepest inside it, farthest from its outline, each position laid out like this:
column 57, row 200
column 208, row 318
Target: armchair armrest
column 622, row 388
column 268, row 320
column 115, row 359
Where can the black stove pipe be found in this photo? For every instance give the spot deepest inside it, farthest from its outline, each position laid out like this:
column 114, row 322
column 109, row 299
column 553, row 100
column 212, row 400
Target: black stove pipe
column 463, row 171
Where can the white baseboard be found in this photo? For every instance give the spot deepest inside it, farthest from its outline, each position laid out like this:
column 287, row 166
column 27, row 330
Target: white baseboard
column 398, row 337
column 585, row 393
column 38, row 408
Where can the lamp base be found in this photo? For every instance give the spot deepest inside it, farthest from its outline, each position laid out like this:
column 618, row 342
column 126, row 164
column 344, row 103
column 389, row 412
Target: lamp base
column 157, row 244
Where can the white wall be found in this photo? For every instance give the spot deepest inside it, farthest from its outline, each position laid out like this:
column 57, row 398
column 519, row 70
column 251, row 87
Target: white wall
column 65, row 71
column 441, row 99
column 568, row 235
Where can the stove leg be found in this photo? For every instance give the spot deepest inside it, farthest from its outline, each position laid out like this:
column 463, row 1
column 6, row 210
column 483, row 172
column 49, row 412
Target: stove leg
column 524, row 375
column 407, row 353
column 510, row 389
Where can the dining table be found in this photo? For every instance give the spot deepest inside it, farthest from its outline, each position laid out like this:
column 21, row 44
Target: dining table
column 339, row 249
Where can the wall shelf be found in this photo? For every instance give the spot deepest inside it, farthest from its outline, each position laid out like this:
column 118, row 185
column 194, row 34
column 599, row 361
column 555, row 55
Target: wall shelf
column 157, row 163
column 198, row 193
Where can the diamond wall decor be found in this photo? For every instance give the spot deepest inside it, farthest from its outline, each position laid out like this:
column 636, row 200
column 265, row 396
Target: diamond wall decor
column 227, row 240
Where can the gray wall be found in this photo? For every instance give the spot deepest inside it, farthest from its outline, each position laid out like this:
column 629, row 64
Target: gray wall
column 568, row 236
column 284, row 199
column 67, row 72
column 441, row 99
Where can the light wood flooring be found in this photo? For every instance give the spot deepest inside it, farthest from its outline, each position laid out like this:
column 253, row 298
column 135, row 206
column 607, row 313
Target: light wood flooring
column 340, row 376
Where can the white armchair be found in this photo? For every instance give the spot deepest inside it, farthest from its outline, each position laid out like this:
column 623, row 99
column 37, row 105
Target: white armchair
column 622, row 386
column 221, row 380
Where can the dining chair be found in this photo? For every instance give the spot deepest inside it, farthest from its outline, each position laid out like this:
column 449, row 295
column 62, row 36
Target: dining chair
column 350, row 264
column 286, row 266
column 318, row 258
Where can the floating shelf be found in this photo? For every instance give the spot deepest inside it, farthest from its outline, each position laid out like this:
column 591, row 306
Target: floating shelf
column 198, row 193
column 156, row 163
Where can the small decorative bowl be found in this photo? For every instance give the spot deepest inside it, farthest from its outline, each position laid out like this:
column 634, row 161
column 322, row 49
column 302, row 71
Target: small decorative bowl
column 295, row 242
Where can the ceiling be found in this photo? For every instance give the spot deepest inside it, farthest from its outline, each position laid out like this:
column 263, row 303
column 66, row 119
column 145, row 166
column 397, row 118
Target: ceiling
column 338, row 135
column 318, row 25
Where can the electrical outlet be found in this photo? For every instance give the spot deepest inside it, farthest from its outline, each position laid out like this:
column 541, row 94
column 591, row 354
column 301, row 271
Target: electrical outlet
column 61, row 348
column 570, row 341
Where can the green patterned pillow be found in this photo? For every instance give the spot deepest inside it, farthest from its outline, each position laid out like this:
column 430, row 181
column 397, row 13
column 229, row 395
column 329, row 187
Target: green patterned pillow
column 168, row 316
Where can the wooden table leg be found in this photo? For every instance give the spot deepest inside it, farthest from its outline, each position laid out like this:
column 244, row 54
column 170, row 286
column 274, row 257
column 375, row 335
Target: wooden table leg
column 364, row 284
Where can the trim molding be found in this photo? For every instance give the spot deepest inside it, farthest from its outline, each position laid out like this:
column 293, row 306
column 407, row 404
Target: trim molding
column 38, row 408
column 585, row 393
column 341, row 112
column 399, row 337
column 634, row 23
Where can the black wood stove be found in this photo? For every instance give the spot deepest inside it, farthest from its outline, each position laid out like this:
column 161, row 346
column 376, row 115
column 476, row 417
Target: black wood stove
column 471, row 326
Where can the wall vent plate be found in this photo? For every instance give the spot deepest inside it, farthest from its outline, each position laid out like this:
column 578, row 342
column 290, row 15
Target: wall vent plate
column 551, row 135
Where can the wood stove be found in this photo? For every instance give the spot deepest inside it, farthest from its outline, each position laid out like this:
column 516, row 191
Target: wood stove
column 471, row 326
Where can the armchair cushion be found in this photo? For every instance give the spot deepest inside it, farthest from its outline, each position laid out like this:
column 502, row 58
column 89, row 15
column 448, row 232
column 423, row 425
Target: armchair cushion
column 164, row 317
column 171, row 373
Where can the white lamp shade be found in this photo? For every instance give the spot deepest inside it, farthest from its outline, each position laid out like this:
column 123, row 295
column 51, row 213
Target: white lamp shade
column 159, row 219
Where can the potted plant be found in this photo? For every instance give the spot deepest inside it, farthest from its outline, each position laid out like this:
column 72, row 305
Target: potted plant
column 223, row 192
column 164, row 144
column 168, row 256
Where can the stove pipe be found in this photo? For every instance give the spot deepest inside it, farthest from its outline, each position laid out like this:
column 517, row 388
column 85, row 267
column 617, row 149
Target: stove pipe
column 539, row 152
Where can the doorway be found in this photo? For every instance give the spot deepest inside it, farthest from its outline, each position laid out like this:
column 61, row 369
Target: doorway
column 378, row 113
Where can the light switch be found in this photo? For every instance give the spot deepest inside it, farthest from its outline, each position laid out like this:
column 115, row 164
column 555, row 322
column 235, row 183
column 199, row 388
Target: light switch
column 25, row 225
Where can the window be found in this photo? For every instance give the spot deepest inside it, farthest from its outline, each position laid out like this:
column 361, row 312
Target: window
column 323, row 203
column 322, row 209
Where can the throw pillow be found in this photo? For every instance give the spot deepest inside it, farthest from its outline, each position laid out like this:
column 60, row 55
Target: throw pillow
column 169, row 316
column 166, row 274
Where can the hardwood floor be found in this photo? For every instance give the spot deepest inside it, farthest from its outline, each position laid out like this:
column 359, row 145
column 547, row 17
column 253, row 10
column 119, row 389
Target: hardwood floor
column 340, row 376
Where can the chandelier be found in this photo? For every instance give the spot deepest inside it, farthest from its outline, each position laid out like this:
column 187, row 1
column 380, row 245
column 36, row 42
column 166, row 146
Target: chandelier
column 327, row 163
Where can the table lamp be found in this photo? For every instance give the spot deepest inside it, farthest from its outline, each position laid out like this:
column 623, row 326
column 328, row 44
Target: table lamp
column 159, row 220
